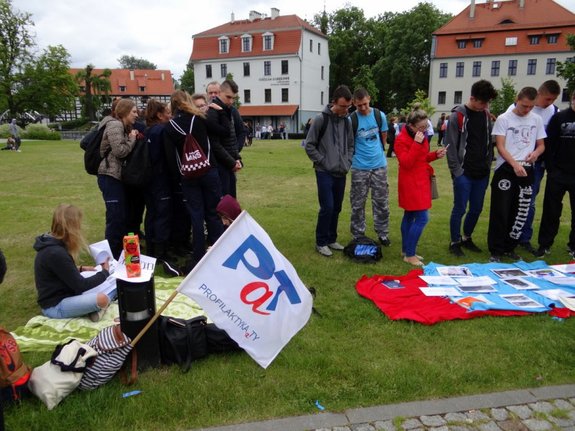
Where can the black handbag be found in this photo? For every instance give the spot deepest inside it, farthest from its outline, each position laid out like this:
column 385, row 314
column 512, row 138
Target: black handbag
column 182, row 341
column 219, row 341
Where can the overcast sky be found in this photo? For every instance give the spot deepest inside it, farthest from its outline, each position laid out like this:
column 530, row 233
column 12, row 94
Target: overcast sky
column 101, row 31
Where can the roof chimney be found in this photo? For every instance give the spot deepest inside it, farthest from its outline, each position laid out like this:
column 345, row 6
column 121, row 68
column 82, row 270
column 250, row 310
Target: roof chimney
column 255, row 15
column 275, row 12
column 521, row 4
column 233, row 18
column 472, row 10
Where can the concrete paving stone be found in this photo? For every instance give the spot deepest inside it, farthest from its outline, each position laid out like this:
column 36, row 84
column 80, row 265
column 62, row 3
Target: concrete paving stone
column 443, row 428
column 362, row 427
column 411, row 424
column 537, row 425
column 458, row 418
column 432, row 421
column 384, row 426
column 522, row 411
column 572, row 400
column 499, row 414
column 568, row 429
column 461, row 428
column 553, row 392
column 512, row 425
column 340, row 429
column 489, row 426
column 563, row 405
column 560, row 422
column 476, row 415
column 541, row 406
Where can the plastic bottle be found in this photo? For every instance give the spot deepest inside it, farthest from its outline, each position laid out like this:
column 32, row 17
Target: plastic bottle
column 132, row 255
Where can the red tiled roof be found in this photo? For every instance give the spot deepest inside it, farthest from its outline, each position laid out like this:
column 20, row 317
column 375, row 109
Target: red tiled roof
column 268, row 110
column 155, row 82
column 489, row 17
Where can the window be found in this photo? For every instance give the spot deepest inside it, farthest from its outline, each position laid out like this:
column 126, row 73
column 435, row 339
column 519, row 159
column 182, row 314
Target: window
column 459, row 68
column 441, row 98
column 565, row 95
column 321, row 98
column 268, row 41
column 246, row 43
column 461, row 44
column 512, row 69
column 224, row 47
column 443, row 70
column 534, row 40
column 223, row 70
column 142, row 88
column 318, row 48
column 322, row 78
column 457, row 97
column 476, row 68
column 510, row 41
column 532, row 66
column 268, row 95
column 246, row 69
column 310, row 45
column 477, row 43
column 495, row 65
column 285, row 68
column 550, row 67
column 285, row 95
column 267, row 68
column 122, row 88
column 247, row 96
column 552, row 38
column 208, row 70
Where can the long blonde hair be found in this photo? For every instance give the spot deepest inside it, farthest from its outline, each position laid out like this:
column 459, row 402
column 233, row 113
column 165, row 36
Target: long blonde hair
column 66, row 226
column 182, row 101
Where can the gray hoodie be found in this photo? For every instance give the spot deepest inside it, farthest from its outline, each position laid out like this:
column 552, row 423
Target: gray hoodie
column 334, row 150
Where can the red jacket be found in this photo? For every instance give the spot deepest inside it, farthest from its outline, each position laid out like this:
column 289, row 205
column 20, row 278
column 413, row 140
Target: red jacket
column 414, row 180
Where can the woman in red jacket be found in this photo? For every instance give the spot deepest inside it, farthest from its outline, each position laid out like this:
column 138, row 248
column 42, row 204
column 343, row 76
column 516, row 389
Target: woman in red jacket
column 414, row 182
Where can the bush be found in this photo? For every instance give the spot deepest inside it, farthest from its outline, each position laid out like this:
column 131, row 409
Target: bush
column 40, row 131
column 5, row 131
column 80, row 123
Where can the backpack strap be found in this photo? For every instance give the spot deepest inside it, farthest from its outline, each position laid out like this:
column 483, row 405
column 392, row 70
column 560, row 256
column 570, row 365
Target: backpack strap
column 325, row 121
column 354, row 122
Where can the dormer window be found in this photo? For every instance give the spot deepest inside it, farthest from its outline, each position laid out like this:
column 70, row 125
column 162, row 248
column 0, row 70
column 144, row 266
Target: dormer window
column 224, row 43
column 122, row 88
column 268, row 41
column 141, row 88
column 534, row 40
column 461, row 44
column 246, row 43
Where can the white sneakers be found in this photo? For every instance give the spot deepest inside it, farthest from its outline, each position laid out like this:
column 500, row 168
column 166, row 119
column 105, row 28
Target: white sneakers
column 325, row 250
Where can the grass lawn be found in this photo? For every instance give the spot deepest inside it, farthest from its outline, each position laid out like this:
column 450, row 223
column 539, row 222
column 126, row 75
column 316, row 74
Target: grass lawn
column 349, row 356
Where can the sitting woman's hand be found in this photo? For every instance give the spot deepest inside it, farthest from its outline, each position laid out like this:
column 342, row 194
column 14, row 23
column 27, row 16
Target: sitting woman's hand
column 106, row 264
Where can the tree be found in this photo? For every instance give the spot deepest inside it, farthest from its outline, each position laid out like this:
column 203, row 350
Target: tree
column 48, row 86
column 566, row 70
column 94, row 85
column 364, row 78
column 133, row 63
column 505, row 97
column 15, row 53
column 187, row 79
column 420, row 101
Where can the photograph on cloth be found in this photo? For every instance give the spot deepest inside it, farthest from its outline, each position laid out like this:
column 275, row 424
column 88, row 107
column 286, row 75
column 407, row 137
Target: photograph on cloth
column 509, row 272
column 477, row 289
column 544, row 272
column 454, row 271
column 520, row 300
column 520, row 283
column 392, row 284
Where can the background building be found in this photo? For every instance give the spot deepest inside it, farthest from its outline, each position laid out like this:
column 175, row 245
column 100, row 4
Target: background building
column 280, row 63
column 519, row 39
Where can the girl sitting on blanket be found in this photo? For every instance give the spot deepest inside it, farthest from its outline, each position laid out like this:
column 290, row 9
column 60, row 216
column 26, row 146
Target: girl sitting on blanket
column 58, row 280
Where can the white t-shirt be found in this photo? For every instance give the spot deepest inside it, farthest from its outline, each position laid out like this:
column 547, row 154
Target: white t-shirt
column 544, row 113
column 521, row 134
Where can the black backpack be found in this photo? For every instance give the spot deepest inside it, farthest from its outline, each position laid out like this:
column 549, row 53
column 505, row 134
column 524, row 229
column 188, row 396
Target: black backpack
column 91, row 146
column 137, row 167
column 182, row 341
column 363, row 250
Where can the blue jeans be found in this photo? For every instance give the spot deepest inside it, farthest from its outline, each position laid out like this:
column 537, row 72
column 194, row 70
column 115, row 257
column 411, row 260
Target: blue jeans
column 73, row 306
column 114, row 196
column 330, row 191
column 202, row 196
column 412, row 226
column 466, row 190
column 538, row 173
column 227, row 181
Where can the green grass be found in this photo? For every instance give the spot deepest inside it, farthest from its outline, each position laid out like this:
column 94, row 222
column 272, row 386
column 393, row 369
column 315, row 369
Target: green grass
column 350, row 356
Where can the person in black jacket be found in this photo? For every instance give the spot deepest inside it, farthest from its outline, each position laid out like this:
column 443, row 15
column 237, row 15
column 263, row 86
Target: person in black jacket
column 202, row 194
column 58, row 280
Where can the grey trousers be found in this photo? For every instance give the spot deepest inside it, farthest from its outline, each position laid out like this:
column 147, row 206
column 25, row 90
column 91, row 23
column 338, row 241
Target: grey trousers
column 361, row 182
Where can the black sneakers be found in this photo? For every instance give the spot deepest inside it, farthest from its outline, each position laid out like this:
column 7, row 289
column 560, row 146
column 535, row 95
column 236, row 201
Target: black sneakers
column 528, row 247
column 455, row 249
column 385, row 241
column 541, row 251
column 470, row 245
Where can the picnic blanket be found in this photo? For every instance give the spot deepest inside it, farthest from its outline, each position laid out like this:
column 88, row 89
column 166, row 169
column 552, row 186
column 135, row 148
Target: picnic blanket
column 405, row 300
column 42, row 334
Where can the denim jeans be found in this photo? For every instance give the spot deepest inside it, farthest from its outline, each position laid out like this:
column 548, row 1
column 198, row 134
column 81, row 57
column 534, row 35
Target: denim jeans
column 466, row 190
column 202, row 196
column 412, row 226
column 330, row 192
column 227, row 180
column 538, row 173
column 114, row 196
column 73, row 306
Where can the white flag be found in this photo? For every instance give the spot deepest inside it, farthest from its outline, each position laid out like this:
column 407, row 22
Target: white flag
column 249, row 289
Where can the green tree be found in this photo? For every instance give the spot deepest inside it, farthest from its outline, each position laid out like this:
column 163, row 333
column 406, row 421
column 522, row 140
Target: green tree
column 364, row 78
column 420, row 101
column 187, row 79
column 15, row 53
column 505, row 97
column 94, row 86
column 566, row 69
column 48, row 86
column 133, row 63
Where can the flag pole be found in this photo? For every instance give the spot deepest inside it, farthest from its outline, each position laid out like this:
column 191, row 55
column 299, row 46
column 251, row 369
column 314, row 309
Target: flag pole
column 154, row 318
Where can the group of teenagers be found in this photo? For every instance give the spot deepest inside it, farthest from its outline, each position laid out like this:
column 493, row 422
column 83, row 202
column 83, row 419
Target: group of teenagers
column 174, row 204
column 531, row 137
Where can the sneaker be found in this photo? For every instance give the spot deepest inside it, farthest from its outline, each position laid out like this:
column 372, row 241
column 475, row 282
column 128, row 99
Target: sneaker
column 335, row 246
column 541, row 251
column 385, row 241
column 455, row 248
column 470, row 245
column 495, row 259
column 512, row 255
column 528, row 247
column 323, row 250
